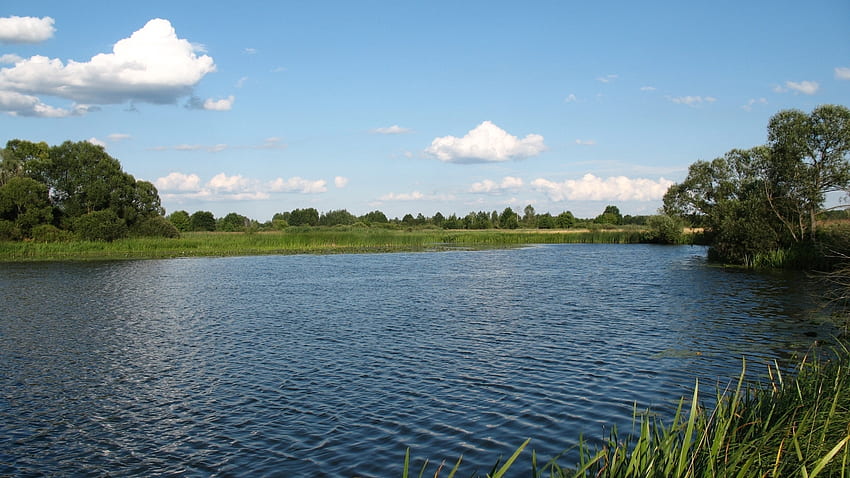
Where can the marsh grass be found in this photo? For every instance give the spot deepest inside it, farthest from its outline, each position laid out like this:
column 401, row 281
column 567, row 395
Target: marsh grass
column 790, row 426
column 304, row 241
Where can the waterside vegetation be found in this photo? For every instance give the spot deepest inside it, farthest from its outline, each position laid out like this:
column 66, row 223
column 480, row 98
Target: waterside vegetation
column 795, row 425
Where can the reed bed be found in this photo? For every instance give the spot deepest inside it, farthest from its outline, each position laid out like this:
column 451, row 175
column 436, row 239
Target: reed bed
column 302, row 241
column 791, row 426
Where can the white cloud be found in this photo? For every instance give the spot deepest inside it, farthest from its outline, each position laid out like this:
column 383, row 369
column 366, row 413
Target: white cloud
column 571, row 98
column 842, row 73
column 489, row 186
column 804, row 87
column 224, row 104
column 118, row 137
column 593, row 188
column 340, row 182
column 752, row 102
column 691, row 100
column 96, row 142
column 415, row 195
column 394, row 129
column 250, row 51
column 25, row 29
column 585, row 142
column 241, row 82
column 298, row 185
column 485, row 143
column 607, row 78
column 237, row 187
column 267, row 144
column 179, row 182
column 647, row 88
column 153, row 65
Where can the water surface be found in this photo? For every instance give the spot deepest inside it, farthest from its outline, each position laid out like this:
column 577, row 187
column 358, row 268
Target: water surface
column 333, row 365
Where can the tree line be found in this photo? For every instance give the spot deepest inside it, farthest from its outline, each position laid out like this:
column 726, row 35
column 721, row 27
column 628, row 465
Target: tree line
column 73, row 190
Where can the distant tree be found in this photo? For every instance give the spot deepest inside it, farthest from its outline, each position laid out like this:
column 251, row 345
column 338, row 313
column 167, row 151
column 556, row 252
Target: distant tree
column 565, row 220
column 438, row 219
column 180, row 220
column 374, row 217
column 529, row 218
column 494, row 219
column 202, row 221
column 304, row 217
column 420, row 219
column 545, row 221
column 19, row 156
column 233, row 222
column 453, row 222
column 665, row 229
column 155, row 226
column 337, row 218
column 508, row 219
column 408, row 220
column 611, row 216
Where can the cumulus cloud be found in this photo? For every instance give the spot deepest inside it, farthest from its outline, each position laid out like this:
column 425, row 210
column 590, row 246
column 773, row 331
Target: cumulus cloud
column 485, row 143
column 96, row 142
column 178, row 185
column 593, row 188
column 10, row 59
column 340, row 182
column 394, row 129
column 691, row 100
column 25, row 29
column 178, row 182
column 804, row 87
column 491, row 187
column 153, row 65
column 842, row 73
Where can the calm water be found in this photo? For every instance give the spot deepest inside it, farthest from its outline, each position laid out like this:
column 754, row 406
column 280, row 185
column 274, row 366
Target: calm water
column 333, row 365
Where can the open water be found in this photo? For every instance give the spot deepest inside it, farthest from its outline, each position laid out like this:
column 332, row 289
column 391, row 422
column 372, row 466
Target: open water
column 334, row 365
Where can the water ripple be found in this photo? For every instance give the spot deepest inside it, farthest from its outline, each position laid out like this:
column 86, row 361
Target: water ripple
column 334, row 365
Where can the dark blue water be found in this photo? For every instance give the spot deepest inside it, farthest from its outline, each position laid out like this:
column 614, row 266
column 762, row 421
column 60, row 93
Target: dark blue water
column 334, row 365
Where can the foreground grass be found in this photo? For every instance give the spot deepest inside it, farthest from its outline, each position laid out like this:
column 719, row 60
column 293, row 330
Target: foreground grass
column 795, row 426
column 302, row 241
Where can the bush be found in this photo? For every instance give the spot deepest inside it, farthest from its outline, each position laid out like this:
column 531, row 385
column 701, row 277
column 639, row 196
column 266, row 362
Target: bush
column 100, row 226
column 664, row 229
column 156, row 226
column 50, row 233
column 8, row 231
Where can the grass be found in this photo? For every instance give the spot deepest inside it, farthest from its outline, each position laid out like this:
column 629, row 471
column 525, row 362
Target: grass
column 791, row 426
column 303, row 241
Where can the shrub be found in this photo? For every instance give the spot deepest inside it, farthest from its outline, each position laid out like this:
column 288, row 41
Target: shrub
column 156, row 226
column 50, row 233
column 664, row 229
column 100, row 226
column 8, row 231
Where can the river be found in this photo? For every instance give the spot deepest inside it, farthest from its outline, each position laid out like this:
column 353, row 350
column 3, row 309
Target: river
column 333, row 365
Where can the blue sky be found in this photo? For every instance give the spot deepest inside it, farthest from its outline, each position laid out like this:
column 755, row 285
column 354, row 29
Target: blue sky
column 449, row 106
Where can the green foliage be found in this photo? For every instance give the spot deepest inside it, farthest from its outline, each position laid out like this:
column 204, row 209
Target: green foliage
column 202, row 221
column 102, row 225
column 303, row 217
column 50, row 233
column 665, row 229
column 24, row 201
column 336, row 218
column 155, row 226
column 233, row 222
column 565, row 220
column 9, row 231
column 611, row 216
column 180, row 220
column 508, row 219
column 375, row 217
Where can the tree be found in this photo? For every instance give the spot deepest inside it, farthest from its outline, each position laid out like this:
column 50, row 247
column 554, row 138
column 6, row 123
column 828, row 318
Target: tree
column 304, row 217
column 565, row 220
column 15, row 159
column 102, row 225
column 809, row 158
column 508, row 219
column 665, row 229
column 202, row 221
column 233, row 222
column 24, row 202
column 374, row 217
column 529, row 218
column 611, row 216
column 181, row 220
column 545, row 221
column 336, row 218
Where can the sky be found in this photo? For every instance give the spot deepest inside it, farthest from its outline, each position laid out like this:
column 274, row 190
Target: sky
column 415, row 107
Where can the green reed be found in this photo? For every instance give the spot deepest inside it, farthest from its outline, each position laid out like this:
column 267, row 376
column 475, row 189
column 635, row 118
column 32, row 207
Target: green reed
column 790, row 426
column 301, row 241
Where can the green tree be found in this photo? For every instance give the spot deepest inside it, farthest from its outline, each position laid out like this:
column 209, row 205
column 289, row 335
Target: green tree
column 665, row 229
column 508, row 219
column 339, row 217
column 565, row 220
column 181, row 220
column 102, row 225
column 304, row 217
column 202, row 221
column 529, row 218
column 233, row 222
column 611, row 216
column 438, row 219
column 545, row 221
column 18, row 158
column 374, row 217
column 24, row 202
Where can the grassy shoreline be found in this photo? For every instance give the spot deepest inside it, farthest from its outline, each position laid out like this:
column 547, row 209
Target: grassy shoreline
column 797, row 425
column 305, row 241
